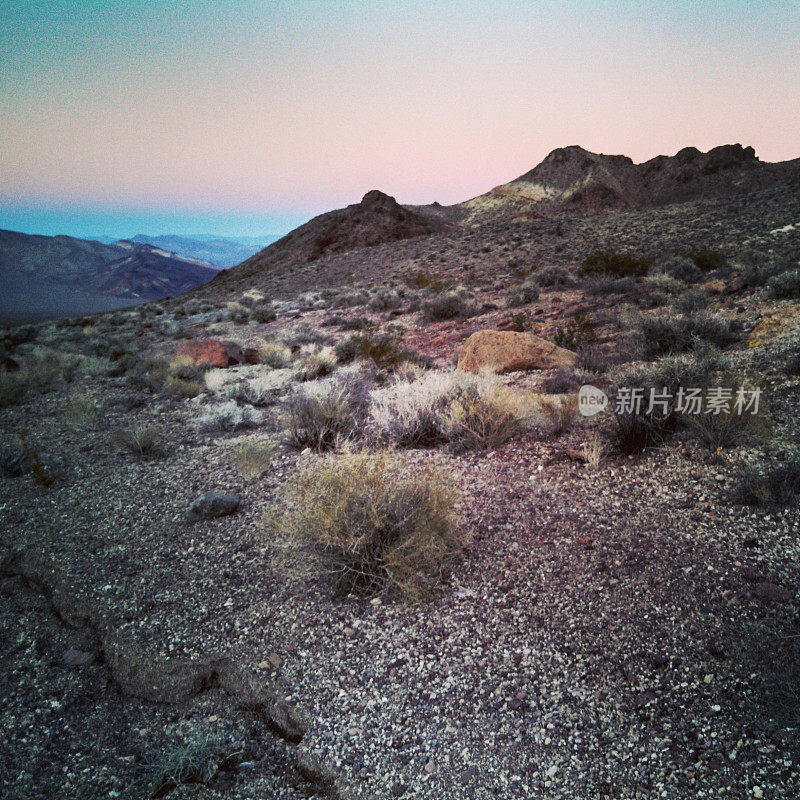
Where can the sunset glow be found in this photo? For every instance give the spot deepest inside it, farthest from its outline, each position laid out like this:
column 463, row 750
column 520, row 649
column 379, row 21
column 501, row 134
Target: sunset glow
column 249, row 117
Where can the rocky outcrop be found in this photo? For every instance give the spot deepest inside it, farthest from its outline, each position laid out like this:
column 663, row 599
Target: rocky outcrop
column 509, row 351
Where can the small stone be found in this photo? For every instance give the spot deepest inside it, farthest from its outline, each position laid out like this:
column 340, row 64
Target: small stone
column 758, row 791
column 551, row 772
column 772, row 592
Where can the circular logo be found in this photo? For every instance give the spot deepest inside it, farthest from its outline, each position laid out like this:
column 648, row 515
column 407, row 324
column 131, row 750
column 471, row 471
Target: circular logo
column 591, row 400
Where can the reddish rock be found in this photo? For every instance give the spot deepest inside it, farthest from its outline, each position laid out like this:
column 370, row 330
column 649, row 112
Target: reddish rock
column 212, row 352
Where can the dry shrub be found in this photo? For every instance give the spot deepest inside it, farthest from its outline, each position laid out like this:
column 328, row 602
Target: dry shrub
column 594, row 448
column 314, row 362
column 557, row 415
column 469, row 412
column 252, row 458
column 81, row 411
column 772, row 486
column 275, row 354
column 144, row 441
column 227, row 417
column 369, row 526
column 322, row 417
column 12, row 387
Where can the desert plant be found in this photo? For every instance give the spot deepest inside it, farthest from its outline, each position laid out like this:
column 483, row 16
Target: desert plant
column 757, row 485
column 577, row 333
column 264, row 312
column 785, row 285
column 275, row 354
column 314, row 362
column 477, row 422
column 12, row 387
column 144, row 441
column 612, row 262
column 666, row 332
column 369, row 527
column 562, row 381
column 527, row 292
column 448, row 305
column 227, row 417
column 385, row 300
column 252, row 458
column 554, row 277
column 679, row 267
column 321, row 418
column 81, row 411
column 262, row 390
column 707, row 259
column 593, row 449
column 304, row 333
column 385, row 349
column 556, row 415
column 183, row 763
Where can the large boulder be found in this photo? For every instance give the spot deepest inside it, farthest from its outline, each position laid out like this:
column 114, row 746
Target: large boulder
column 509, row 351
column 212, row 352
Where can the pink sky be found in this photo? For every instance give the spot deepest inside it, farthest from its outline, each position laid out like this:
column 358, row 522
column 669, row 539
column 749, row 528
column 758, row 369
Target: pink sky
column 231, row 108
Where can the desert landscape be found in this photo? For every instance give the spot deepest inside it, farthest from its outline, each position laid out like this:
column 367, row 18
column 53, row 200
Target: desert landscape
column 335, row 524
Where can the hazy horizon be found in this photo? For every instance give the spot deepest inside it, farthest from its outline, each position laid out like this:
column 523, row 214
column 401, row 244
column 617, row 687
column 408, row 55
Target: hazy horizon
column 244, row 118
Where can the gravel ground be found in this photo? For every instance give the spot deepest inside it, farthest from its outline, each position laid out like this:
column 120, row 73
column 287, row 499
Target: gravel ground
column 621, row 633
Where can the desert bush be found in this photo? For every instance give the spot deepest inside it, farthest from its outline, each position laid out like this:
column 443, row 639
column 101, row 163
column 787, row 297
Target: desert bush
column 314, row 362
column 448, row 305
column 692, row 301
column 758, row 485
column 593, row 449
column 144, row 441
column 707, row 259
column 355, row 297
column 275, row 354
column 262, row 390
column 666, row 332
column 184, row 763
column 227, row 417
column 419, row 279
column 562, row 381
column 12, row 387
column 579, row 332
column 264, row 312
column 638, row 428
column 385, row 300
column 322, row 417
column 662, row 284
column 355, row 324
column 554, row 277
column 465, row 411
column 44, row 468
column 612, row 262
column 527, row 292
column 303, row 333
column 679, row 267
column 605, row 285
column 370, row 527
column 556, row 416
column 81, row 411
column 785, row 285
column 385, row 349
column 239, row 314
column 149, row 374
column 182, row 388
column 253, row 458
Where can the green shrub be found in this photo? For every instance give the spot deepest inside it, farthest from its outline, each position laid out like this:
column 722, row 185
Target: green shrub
column 666, row 332
column 785, row 285
column 554, row 277
column 264, row 312
column 369, row 527
column 679, row 267
column 707, row 259
column 578, row 333
column 448, row 305
column 385, row 349
column 193, row 762
column 528, row 292
column 617, row 264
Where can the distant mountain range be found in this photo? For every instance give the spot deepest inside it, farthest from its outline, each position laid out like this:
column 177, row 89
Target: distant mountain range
column 221, row 251
column 51, row 276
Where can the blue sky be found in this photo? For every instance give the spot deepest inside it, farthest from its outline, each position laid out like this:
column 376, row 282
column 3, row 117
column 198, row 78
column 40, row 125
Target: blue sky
column 244, row 117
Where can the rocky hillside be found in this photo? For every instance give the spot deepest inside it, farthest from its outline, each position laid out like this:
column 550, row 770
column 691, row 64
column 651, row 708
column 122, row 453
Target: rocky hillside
column 377, row 219
column 573, row 179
